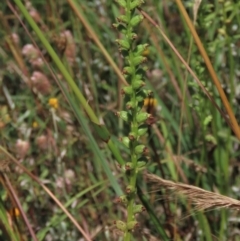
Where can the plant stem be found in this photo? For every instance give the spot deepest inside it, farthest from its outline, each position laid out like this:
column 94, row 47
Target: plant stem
column 135, row 117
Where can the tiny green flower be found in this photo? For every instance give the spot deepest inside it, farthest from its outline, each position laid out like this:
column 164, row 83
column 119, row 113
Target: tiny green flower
column 126, row 141
column 132, row 225
column 130, row 189
column 121, row 225
column 138, row 209
column 124, row 115
column 141, row 150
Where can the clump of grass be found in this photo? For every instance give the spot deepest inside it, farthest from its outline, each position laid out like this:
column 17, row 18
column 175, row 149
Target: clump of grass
column 43, row 125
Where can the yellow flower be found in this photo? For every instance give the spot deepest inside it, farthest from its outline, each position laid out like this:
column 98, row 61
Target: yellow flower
column 34, row 124
column 53, row 102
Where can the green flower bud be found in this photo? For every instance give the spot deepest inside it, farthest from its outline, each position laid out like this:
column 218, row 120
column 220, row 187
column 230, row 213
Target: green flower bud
column 142, row 117
column 124, row 115
column 136, row 20
column 128, row 90
column 135, row 4
column 124, row 44
column 122, row 3
column 126, row 141
column 130, row 189
column 128, row 70
column 132, row 136
column 129, row 166
column 122, row 199
column 140, row 49
column 138, row 209
column 139, row 60
column 138, row 84
column 122, row 19
column 141, row 149
column 130, row 105
column 133, row 36
column 132, row 225
column 142, row 130
column 120, row 225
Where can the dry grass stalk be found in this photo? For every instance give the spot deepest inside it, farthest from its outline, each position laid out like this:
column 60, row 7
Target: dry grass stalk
column 201, row 198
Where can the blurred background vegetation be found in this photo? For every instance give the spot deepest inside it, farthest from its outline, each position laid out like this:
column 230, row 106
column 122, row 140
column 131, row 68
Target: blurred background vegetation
column 46, row 127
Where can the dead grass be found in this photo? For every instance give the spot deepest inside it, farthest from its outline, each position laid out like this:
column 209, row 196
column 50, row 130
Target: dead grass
column 201, row 198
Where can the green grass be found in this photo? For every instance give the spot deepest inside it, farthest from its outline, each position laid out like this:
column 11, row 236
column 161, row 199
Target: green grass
column 76, row 156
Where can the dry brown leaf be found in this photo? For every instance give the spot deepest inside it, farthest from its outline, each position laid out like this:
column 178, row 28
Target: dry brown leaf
column 196, row 6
